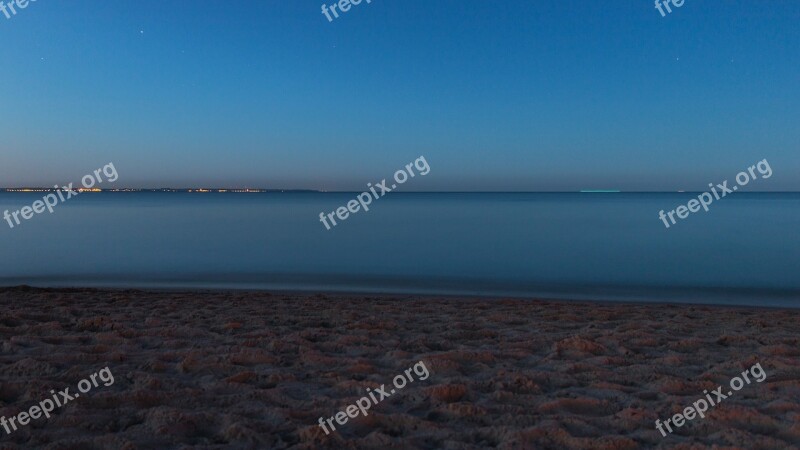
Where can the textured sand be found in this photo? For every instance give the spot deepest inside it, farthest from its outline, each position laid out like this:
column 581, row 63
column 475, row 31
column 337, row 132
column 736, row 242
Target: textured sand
column 253, row 370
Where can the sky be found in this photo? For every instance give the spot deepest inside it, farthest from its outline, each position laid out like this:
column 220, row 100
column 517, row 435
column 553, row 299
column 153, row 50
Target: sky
column 512, row 95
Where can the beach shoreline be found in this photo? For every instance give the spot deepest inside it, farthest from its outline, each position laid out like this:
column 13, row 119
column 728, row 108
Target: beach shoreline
column 254, row 369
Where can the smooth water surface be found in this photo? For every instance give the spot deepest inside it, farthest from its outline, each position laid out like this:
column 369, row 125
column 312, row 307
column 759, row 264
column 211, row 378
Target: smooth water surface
column 598, row 246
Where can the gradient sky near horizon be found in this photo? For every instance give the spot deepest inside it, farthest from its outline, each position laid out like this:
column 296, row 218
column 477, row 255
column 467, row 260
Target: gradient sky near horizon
column 503, row 95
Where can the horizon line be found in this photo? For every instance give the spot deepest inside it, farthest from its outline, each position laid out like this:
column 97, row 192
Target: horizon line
column 195, row 190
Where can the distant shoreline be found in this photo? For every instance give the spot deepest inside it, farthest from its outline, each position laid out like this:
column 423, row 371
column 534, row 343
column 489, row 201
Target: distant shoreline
column 162, row 190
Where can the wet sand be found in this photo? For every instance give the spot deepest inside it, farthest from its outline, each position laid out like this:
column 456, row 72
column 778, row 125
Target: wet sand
column 254, row 370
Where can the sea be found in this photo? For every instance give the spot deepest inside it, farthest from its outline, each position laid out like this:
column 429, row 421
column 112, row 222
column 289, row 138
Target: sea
column 572, row 246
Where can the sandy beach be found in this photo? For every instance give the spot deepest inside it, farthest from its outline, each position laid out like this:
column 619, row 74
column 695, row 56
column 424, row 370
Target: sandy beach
column 257, row 370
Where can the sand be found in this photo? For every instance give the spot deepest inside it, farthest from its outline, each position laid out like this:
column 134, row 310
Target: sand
column 254, row 370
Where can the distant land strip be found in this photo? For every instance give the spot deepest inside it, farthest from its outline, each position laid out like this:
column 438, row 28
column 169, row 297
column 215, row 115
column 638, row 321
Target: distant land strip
column 193, row 190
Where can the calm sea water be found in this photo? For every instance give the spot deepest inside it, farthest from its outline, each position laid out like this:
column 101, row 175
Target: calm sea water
column 599, row 246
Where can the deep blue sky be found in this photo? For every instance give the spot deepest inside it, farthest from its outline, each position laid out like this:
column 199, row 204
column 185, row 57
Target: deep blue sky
column 498, row 95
